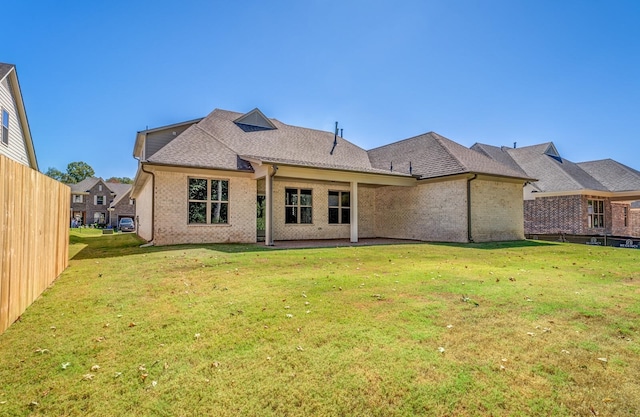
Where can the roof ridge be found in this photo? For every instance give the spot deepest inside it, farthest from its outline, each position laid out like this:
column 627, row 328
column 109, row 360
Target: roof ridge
column 443, row 143
column 402, row 140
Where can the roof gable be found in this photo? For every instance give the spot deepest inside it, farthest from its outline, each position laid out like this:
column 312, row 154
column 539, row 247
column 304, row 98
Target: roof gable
column 254, row 121
column 9, row 71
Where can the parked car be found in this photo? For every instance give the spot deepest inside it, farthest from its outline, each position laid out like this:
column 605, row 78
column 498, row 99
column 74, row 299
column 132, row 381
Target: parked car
column 126, row 225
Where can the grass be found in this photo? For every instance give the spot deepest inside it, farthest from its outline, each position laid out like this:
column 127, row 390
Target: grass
column 504, row 329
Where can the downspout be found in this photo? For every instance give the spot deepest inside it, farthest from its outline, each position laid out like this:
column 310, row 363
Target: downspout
column 153, row 205
column 469, row 236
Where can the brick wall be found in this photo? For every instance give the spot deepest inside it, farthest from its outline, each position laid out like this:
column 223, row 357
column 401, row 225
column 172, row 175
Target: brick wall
column 554, row 215
column 568, row 214
column 366, row 211
column 320, row 228
column 496, row 212
column 429, row 211
column 634, row 217
column 171, row 215
column 92, row 208
column 618, row 227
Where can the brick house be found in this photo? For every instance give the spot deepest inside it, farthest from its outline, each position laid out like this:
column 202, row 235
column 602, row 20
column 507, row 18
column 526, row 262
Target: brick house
column 594, row 198
column 100, row 203
column 233, row 177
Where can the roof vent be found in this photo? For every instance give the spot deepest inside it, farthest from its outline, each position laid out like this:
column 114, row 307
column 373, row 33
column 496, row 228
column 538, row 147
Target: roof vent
column 254, row 121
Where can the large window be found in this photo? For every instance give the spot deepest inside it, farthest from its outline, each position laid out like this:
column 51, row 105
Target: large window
column 297, row 205
column 99, row 200
column 595, row 212
column 77, row 198
column 5, row 127
column 208, row 201
column 339, row 207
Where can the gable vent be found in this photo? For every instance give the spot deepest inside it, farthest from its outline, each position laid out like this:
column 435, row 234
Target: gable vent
column 254, row 121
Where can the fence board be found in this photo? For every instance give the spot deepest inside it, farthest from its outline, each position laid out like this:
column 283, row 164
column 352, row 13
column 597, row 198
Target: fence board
column 34, row 236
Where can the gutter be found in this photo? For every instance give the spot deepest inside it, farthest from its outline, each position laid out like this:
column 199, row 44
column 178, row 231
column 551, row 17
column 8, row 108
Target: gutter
column 153, row 205
column 469, row 236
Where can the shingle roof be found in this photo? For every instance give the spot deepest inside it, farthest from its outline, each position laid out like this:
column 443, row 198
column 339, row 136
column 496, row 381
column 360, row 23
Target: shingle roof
column 84, row 185
column 431, row 155
column 612, row 174
column 120, row 190
column 557, row 174
column 498, row 154
column 216, row 141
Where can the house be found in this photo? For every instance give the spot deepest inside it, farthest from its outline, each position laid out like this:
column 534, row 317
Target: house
column 100, row 203
column 590, row 199
column 233, row 177
column 15, row 136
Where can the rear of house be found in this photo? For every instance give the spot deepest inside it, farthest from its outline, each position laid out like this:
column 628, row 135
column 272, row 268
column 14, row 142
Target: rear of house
column 233, row 177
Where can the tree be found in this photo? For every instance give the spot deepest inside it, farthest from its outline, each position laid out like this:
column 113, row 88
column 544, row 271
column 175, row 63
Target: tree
column 121, row 180
column 76, row 172
column 56, row 174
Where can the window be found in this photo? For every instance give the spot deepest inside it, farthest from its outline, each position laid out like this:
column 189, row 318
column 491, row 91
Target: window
column 595, row 212
column 208, row 201
column 5, row 127
column 77, row 198
column 100, row 187
column 98, row 200
column 297, row 206
column 625, row 213
column 339, row 207
column 131, row 201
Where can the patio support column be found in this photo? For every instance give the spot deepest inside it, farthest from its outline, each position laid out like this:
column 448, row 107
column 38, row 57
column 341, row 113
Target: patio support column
column 268, row 203
column 354, row 212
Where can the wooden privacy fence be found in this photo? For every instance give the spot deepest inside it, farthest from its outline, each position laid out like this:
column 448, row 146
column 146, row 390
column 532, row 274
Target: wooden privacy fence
column 34, row 236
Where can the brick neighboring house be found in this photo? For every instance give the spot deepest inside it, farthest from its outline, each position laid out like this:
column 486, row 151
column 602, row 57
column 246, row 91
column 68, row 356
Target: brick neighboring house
column 100, row 203
column 233, row 177
column 594, row 198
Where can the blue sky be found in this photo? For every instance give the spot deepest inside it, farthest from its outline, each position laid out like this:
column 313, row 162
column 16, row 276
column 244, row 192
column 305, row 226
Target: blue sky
column 93, row 73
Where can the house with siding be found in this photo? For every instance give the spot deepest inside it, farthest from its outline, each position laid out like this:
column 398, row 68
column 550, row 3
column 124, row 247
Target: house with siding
column 15, row 136
column 99, row 203
column 590, row 199
column 233, row 177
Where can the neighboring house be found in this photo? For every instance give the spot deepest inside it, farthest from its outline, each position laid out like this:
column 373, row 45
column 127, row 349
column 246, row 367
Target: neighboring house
column 587, row 199
column 15, row 136
column 233, row 177
column 96, row 202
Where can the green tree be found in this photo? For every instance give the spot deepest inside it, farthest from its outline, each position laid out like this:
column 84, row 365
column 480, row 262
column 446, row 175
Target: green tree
column 56, row 174
column 78, row 171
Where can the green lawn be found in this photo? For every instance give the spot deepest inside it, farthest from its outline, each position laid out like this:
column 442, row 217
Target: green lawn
column 520, row 328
